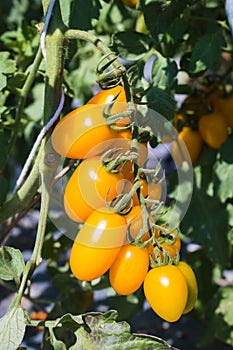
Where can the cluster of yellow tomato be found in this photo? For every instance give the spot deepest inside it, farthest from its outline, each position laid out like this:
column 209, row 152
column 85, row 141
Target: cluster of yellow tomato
column 108, row 238
column 204, row 119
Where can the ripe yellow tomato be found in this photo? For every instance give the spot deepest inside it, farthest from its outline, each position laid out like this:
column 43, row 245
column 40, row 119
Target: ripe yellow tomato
column 83, row 133
column 97, row 244
column 192, row 285
column 225, row 106
column 213, row 129
column 87, row 188
column 129, row 269
column 107, row 96
column 116, row 93
column 166, row 291
column 188, row 144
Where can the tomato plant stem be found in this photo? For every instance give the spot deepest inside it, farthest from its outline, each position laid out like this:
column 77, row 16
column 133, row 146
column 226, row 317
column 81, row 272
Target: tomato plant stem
column 47, row 161
column 72, row 34
column 23, row 197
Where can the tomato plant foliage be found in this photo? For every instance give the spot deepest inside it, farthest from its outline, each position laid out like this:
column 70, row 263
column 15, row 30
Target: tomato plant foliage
column 170, row 50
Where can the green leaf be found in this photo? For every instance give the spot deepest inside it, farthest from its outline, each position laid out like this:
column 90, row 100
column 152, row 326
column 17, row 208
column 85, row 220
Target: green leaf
column 7, row 66
column 16, row 82
column 3, row 81
column 164, row 71
column 207, row 219
column 115, row 17
column 131, row 45
column 12, row 329
column 206, row 52
column 162, row 101
column 55, row 343
column 219, row 324
column 164, row 13
column 223, row 180
column 11, row 263
column 177, row 29
column 83, row 12
column 65, row 7
column 101, row 331
column 108, row 334
column 226, row 305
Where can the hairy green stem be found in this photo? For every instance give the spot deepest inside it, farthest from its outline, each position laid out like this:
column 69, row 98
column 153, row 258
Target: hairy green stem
column 23, row 197
column 48, row 162
column 72, row 34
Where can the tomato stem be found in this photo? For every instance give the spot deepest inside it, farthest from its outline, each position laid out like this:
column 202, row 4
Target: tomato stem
column 47, row 160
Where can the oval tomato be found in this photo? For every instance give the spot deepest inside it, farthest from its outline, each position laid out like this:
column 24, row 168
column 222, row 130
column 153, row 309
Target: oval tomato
column 107, row 96
column 213, row 129
column 225, row 106
column 188, row 144
column 192, row 285
column 166, row 291
column 87, row 189
column 118, row 95
column 97, row 244
column 83, row 133
column 129, row 269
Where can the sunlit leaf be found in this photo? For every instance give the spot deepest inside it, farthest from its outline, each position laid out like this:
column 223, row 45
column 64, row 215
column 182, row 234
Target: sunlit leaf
column 101, row 331
column 223, row 180
column 3, row 81
column 164, row 72
column 226, row 305
column 12, row 329
column 11, row 263
column 7, row 65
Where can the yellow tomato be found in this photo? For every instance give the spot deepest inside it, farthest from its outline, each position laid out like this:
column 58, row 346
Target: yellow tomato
column 225, row 106
column 191, row 283
column 213, row 129
column 191, row 146
column 166, row 291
